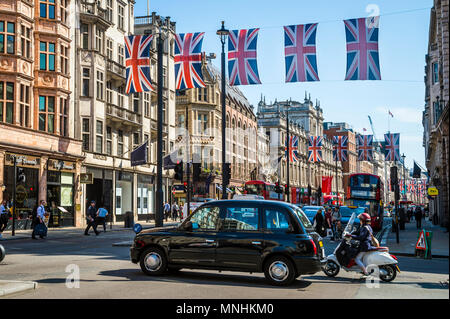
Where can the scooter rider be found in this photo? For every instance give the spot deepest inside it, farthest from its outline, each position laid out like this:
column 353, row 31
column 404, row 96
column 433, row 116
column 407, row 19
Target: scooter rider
column 364, row 236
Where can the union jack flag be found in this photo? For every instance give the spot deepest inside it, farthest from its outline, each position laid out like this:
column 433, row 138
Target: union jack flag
column 293, row 149
column 340, row 148
column 300, row 53
column 188, row 60
column 362, row 49
column 242, row 66
column 315, row 149
column 137, row 62
column 364, row 146
column 392, row 147
column 412, row 186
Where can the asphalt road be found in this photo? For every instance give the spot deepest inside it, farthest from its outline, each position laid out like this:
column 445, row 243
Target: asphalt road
column 106, row 272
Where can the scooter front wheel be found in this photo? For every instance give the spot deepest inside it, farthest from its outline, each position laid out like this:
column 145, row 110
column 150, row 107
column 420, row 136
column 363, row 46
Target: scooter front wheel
column 388, row 273
column 331, row 269
column 2, row 252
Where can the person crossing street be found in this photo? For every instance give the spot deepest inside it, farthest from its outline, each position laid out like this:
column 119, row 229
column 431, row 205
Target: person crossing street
column 90, row 218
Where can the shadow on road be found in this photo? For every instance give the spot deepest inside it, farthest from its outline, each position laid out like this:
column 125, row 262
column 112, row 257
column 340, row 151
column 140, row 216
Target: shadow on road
column 191, row 277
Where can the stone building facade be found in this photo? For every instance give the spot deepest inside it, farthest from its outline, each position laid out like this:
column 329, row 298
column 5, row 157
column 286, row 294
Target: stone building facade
column 36, row 110
column 436, row 114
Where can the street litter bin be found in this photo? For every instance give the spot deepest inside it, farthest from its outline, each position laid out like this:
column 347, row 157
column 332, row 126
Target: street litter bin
column 129, row 220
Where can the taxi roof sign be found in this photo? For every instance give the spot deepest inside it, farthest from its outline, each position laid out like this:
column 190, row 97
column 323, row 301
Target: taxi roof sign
column 433, row 191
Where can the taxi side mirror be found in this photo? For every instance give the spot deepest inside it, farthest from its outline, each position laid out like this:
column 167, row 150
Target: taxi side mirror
column 188, row 226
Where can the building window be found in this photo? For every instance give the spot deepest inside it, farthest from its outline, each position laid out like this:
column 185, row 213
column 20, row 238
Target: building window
column 121, row 54
column 109, row 10
column 135, row 140
column 120, row 143
column 121, row 96
column 47, row 9
column 63, row 11
column 181, row 120
column 203, row 94
column 164, row 77
column 25, row 38
column 63, row 117
column 99, row 137
column 136, row 102
column 84, row 30
column 146, row 139
column 99, row 40
column 86, row 80
column 202, row 123
column 99, row 85
column 146, row 104
column 7, row 37
column 47, row 113
column 435, row 73
column 86, row 134
column 24, row 102
column 109, row 92
column 108, row 140
column 6, row 102
column 120, row 16
column 64, row 59
column 109, row 48
column 47, row 56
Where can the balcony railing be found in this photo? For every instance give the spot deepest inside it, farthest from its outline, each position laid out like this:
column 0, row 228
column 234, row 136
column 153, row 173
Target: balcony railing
column 93, row 9
column 116, row 69
column 122, row 115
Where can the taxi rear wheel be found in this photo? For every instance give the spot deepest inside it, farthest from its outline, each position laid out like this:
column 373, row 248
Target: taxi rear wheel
column 153, row 261
column 279, row 271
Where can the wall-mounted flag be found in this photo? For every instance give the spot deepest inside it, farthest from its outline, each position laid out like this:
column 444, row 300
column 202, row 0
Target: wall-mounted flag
column 137, row 62
column 300, row 53
column 293, row 155
column 139, row 155
column 188, row 60
column 362, row 49
column 242, row 66
column 364, row 147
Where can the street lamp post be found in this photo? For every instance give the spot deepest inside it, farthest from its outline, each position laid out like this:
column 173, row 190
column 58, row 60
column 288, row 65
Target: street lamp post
column 287, row 157
column 404, row 181
column 223, row 33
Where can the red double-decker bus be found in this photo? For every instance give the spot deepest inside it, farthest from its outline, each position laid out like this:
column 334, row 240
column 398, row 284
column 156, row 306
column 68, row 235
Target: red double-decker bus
column 367, row 190
column 262, row 188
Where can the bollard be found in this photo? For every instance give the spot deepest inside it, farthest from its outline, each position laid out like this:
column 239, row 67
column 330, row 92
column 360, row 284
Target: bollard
column 428, row 237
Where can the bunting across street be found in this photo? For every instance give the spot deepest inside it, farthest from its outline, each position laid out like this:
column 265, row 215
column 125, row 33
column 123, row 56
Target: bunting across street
column 300, row 53
column 340, row 148
column 362, row 49
column 137, row 62
column 242, row 66
column 392, row 147
column 364, row 147
column 315, row 149
column 188, row 60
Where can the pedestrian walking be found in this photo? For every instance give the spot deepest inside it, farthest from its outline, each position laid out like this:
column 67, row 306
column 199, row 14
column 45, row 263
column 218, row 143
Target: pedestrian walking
column 101, row 217
column 166, row 211
column 39, row 224
column 90, row 218
column 175, row 210
column 318, row 222
column 419, row 216
column 335, row 219
column 3, row 217
column 328, row 220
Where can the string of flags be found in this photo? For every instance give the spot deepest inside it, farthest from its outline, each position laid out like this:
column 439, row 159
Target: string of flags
column 301, row 63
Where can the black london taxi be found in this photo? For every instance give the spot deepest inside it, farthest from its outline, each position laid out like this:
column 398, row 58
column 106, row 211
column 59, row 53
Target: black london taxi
column 235, row 235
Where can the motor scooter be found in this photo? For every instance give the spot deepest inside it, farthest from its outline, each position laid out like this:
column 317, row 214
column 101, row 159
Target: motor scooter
column 379, row 261
column 2, row 253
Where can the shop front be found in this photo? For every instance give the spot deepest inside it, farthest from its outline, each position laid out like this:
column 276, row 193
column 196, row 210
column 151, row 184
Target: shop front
column 124, row 194
column 60, row 192
column 26, row 186
column 100, row 188
column 145, row 197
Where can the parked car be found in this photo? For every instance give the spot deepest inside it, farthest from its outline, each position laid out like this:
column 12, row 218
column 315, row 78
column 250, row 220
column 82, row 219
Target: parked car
column 311, row 211
column 272, row 237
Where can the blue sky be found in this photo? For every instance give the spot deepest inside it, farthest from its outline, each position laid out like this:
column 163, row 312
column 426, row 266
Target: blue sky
column 403, row 40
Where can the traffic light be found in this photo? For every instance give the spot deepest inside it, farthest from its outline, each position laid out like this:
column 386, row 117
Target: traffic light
column 179, row 171
column 286, row 189
column 195, row 172
column 185, row 187
column 227, row 173
column 278, row 188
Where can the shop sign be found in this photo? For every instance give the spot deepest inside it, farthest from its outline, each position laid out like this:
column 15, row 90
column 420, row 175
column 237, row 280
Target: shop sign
column 21, row 194
column 86, row 178
column 433, row 191
column 22, row 160
column 59, row 165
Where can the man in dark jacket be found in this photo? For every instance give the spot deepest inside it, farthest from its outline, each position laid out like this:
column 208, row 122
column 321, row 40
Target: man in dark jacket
column 319, row 222
column 418, row 216
column 90, row 218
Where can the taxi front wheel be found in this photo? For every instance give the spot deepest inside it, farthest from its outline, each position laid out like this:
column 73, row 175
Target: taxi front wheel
column 153, row 261
column 279, row 271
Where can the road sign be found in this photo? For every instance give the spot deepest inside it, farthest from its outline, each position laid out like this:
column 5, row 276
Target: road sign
column 421, row 242
column 433, row 191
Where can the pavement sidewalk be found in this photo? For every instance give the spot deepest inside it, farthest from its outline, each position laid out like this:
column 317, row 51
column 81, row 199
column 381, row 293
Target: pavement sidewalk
column 408, row 239
column 64, row 232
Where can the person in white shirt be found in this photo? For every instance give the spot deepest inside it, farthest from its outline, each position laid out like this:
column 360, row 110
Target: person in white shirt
column 40, row 218
column 3, row 217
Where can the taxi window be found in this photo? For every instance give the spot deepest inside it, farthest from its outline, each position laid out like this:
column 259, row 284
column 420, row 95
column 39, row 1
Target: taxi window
column 205, row 218
column 240, row 219
column 276, row 219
